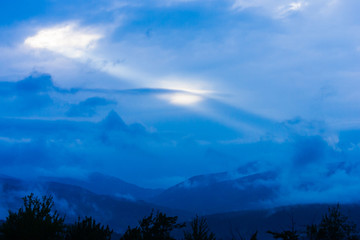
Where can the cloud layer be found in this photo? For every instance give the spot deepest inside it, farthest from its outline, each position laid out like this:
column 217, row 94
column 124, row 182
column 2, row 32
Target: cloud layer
column 155, row 92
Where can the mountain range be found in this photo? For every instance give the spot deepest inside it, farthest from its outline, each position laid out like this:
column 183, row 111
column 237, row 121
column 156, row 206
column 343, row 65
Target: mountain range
column 232, row 203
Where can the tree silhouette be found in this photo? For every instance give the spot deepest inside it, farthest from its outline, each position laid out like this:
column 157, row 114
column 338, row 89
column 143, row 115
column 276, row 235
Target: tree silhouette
column 285, row 235
column 35, row 220
column 199, row 230
column 312, row 231
column 88, row 229
column 334, row 226
column 291, row 234
column 157, row 226
column 254, row 236
column 132, row 234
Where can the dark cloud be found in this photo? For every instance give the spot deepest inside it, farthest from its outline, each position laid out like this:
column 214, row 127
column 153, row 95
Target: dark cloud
column 309, row 150
column 36, row 95
column 88, row 107
column 26, row 96
column 35, row 83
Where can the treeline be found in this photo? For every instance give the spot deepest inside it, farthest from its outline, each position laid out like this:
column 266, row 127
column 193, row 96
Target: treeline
column 36, row 220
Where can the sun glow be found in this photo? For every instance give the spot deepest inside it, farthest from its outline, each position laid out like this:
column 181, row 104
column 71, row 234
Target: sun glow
column 191, row 85
column 184, row 99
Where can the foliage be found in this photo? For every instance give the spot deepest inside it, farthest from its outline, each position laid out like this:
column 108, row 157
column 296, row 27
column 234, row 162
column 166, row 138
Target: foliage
column 156, row 226
column 35, row 220
column 254, row 236
column 132, row 234
column 334, row 226
column 312, row 231
column 88, row 229
column 199, row 230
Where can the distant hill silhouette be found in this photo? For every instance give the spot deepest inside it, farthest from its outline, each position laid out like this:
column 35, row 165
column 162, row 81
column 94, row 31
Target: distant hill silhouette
column 74, row 201
column 216, row 193
column 245, row 223
column 108, row 185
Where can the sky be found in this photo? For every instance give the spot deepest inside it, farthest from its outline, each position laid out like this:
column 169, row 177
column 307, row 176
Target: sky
column 157, row 91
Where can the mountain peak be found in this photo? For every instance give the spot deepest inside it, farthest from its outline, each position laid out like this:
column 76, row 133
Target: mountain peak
column 114, row 121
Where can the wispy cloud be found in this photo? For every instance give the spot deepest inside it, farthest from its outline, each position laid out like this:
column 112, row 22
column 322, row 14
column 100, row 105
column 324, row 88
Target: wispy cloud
column 285, row 8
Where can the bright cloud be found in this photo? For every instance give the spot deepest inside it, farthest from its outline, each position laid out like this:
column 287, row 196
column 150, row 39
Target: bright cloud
column 295, row 6
column 184, row 99
column 75, row 42
column 68, row 40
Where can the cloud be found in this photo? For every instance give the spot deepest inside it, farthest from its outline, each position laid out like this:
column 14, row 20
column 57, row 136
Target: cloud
column 222, row 62
column 278, row 9
column 286, row 8
column 227, row 57
column 88, row 107
column 35, row 83
column 76, row 42
column 69, row 40
column 26, row 96
column 309, row 150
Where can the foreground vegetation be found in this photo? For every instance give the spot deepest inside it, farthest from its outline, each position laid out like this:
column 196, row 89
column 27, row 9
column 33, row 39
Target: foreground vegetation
column 37, row 219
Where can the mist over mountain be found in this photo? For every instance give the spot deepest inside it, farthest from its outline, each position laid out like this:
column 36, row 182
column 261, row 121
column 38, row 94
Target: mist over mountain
column 107, row 185
column 211, row 194
column 73, row 201
column 119, row 212
column 271, row 163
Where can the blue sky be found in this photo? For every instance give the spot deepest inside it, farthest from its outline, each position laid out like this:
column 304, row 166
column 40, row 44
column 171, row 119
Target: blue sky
column 157, row 91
